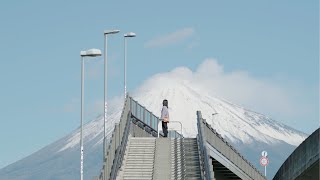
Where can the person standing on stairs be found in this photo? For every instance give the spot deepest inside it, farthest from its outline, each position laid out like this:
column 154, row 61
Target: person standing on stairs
column 165, row 117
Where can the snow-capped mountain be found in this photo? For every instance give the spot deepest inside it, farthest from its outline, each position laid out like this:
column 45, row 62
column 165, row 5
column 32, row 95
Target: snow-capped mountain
column 232, row 121
column 248, row 131
column 60, row 160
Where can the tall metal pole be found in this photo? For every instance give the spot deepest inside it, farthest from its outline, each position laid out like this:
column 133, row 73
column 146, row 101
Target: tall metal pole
column 125, row 68
column 128, row 35
column 105, row 96
column 82, row 102
column 105, row 92
column 90, row 53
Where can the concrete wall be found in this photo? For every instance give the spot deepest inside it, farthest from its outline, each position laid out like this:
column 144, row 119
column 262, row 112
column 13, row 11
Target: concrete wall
column 304, row 161
column 136, row 131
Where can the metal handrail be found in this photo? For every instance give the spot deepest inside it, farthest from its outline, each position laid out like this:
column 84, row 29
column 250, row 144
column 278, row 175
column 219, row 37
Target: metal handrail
column 160, row 120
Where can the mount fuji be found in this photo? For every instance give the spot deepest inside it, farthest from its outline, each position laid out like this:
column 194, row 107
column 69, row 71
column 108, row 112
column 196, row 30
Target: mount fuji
column 248, row 131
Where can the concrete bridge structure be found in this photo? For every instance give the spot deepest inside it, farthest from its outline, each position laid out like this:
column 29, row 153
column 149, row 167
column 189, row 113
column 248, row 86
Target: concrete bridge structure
column 303, row 163
column 136, row 152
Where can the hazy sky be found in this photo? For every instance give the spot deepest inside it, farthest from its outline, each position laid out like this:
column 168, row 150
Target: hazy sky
column 270, row 47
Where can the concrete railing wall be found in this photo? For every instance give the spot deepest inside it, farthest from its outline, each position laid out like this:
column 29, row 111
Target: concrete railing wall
column 304, row 156
column 227, row 150
column 205, row 160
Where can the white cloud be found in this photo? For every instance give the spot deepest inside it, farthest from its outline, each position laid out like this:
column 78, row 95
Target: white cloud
column 238, row 86
column 170, row 38
column 276, row 99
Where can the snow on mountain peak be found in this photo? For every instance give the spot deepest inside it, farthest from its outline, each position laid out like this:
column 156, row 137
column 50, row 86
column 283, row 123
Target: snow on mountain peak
column 94, row 128
column 187, row 93
column 233, row 122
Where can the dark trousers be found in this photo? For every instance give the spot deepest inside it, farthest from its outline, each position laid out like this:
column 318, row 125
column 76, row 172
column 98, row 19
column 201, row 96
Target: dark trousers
column 165, row 129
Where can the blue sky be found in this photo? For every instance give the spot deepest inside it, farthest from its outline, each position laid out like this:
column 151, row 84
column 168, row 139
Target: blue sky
column 40, row 41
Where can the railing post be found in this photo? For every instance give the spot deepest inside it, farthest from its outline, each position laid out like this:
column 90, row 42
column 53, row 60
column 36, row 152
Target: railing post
column 136, row 109
column 150, row 120
column 159, row 128
column 131, row 104
column 144, row 114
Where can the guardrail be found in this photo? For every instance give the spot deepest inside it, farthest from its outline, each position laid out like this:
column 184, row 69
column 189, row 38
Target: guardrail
column 148, row 121
column 144, row 115
column 203, row 149
column 227, row 150
column 120, row 151
column 116, row 145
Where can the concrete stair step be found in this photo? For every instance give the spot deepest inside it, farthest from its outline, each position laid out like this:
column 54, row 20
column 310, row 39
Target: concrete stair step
column 142, row 173
column 135, row 168
column 138, row 175
column 140, row 178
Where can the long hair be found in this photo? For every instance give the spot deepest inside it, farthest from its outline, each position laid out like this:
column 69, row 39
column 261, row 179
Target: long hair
column 165, row 103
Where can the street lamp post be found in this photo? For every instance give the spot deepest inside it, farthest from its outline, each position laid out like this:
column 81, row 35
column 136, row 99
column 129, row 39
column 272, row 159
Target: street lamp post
column 106, row 32
column 88, row 53
column 128, row 35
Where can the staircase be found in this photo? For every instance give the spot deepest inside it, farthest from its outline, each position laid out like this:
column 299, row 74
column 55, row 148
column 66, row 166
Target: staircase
column 139, row 159
column 161, row 158
column 191, row 159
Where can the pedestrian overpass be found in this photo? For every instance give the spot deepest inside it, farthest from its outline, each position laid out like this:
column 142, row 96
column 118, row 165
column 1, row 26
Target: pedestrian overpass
column 135, row 151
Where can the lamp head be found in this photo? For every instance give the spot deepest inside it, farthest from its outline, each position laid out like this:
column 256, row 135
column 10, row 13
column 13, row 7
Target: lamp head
column 130, row 34
column 91, row 53
column 111, row 31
